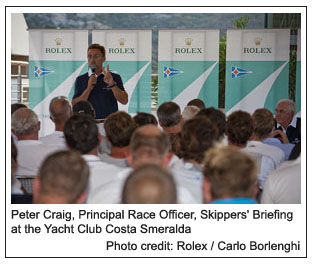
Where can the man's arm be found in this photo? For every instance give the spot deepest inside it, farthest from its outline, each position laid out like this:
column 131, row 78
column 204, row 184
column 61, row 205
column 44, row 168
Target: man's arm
column 86, row 93
column 120, row 94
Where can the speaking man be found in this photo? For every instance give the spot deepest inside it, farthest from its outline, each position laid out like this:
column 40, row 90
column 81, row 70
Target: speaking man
column 99, row 86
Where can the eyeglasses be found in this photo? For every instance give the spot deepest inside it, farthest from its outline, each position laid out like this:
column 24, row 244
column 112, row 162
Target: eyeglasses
column 96, row 56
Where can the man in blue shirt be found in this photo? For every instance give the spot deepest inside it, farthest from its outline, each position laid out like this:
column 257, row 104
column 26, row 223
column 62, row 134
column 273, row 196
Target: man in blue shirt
column 263, row 131
column 99, row 86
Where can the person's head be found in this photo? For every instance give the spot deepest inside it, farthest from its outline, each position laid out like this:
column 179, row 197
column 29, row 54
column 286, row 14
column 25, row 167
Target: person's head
column 263, row 122
column 175, row 140
column 81, row 133
column 149, row 144
column 84, row 107
column 217, row 117
column 119, row 127
column 169, row 116
column 149, row 184
column 60, row 111
column 16, row 106
column 239, row 128
column 96, row 55
column 63, row 178
column 25, row 124
column 143, row 118
column 13, row 161
column 189, row 112
column 284, row 112
column 228, row 173
column 197, row 136
column 197, row 102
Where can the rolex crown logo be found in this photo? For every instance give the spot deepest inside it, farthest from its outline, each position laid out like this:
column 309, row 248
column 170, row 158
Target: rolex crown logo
column 188, row 41
column 257, row 41
column 58, row 41
column 122, row 41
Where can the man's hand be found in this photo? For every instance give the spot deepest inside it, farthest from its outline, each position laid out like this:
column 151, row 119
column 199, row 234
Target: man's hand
column 108, row 78
column 91, row 82
column 281, row 136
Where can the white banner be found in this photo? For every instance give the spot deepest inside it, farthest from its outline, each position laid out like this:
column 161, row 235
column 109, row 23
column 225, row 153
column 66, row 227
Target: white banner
column 188, row 66
column 56, row 58
column 129, row 54
column 257, row 68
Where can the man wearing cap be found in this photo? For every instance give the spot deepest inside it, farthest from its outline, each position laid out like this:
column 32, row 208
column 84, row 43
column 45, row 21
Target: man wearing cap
column 99, row 86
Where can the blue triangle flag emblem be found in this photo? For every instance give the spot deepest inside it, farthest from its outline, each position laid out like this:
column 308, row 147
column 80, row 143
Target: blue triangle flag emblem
column 169, row 71
column 237, row 72
column 40, row 71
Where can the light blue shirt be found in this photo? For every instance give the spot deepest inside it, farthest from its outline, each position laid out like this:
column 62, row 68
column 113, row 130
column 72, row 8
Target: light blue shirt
column 287, row 148
column 234, row 201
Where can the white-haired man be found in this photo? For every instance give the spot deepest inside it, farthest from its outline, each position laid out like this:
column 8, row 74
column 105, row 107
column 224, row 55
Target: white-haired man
column 31, row 151
column 284, row 115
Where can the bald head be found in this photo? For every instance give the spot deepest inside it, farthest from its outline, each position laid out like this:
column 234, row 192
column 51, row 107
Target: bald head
column 149, row 184
column 149, row 129
column 60, row 112
column 149, row 145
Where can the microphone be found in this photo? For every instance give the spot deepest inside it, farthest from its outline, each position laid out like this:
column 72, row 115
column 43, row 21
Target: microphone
column 93, row 67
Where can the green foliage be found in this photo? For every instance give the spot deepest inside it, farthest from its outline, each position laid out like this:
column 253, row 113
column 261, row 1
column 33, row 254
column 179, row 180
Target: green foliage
column 154, row 90
column 292, row 73
column 222, row 64
column 241, row 22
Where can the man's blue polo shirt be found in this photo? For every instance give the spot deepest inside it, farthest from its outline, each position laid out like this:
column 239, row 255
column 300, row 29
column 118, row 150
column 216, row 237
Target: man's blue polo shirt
column 101, row 97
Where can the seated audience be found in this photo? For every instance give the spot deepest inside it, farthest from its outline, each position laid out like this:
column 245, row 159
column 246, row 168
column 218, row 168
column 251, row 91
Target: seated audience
column 60, row 112
column 85, row 107
column 119, row 127
column 82, row 135
column 15, row 107
column 31, row 151
column 283, row 185
column 148, row 145
column 286, row 121
column 143, row 118
column 149, row 184
column 230, row 177
column 197, row 136
column 263, row 131
column 175, row 140
column 217, row 117
column 18, row 193
column 169, row 117
column 197, row 103
column 295, row 153
column 189, row 112
column 239, row 128
column 16, row 187
column 63, row 178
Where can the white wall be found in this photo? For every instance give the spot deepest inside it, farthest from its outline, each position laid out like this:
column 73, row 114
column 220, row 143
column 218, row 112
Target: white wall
column 19, row 35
